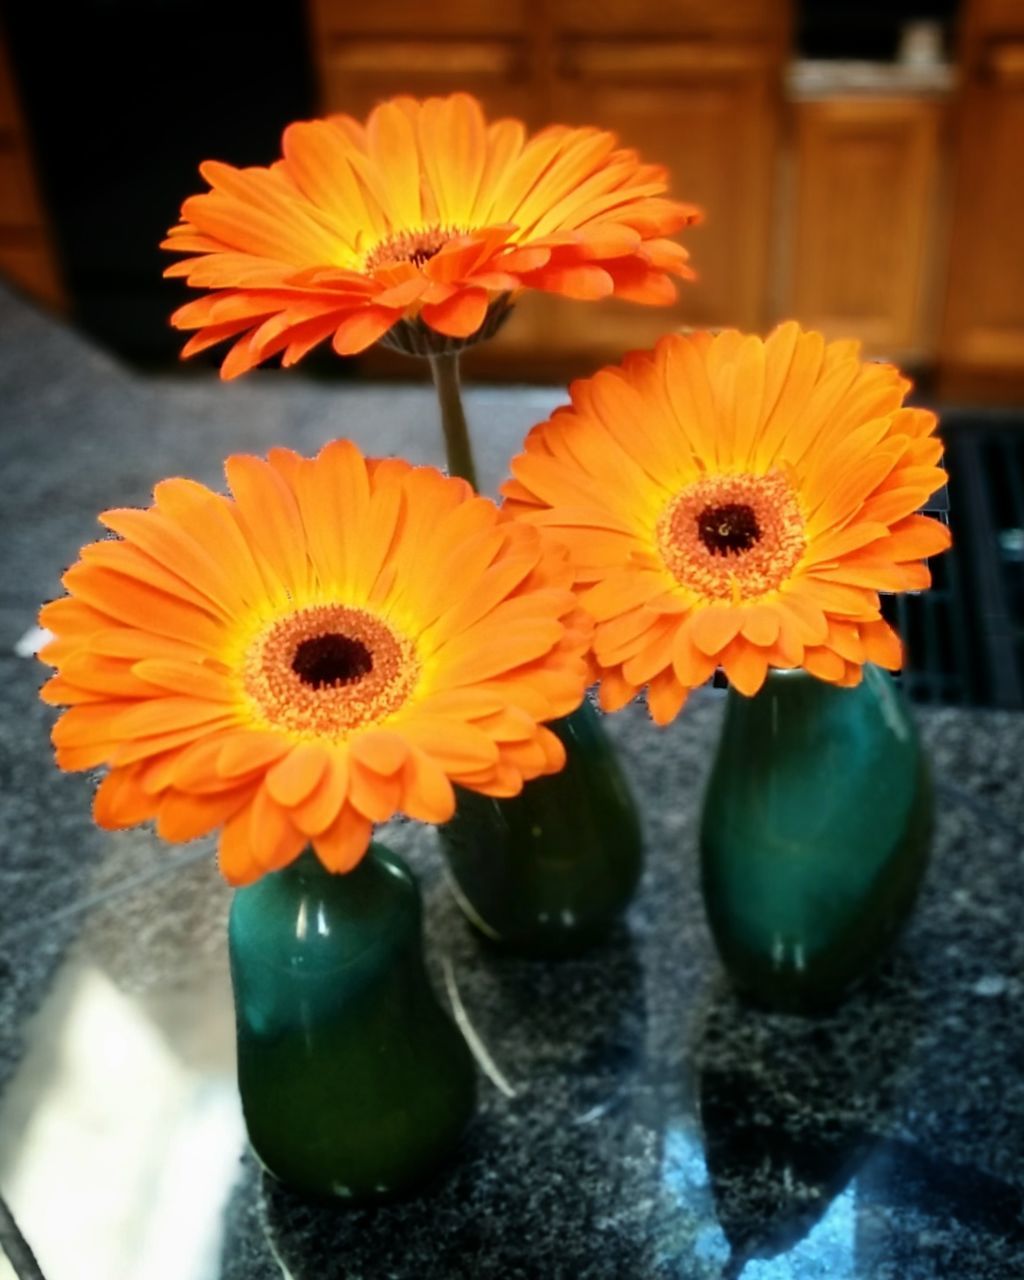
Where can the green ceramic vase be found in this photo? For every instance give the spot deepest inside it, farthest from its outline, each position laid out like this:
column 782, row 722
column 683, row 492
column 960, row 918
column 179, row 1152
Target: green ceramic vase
column 354, row 1082
column 815, row 834
column 547, row 872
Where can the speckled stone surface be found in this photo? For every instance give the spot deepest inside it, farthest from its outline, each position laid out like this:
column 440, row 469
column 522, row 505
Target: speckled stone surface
column 636, row 1120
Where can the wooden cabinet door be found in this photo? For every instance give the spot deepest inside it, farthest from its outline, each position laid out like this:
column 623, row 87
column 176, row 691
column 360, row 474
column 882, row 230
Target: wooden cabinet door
column 357, row 72
column 710, row 114
column 867, row 175
column 983, row 334
column 365, row 53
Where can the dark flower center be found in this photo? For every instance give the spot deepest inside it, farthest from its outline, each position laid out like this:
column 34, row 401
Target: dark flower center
column 728, row 529
column 330, row 660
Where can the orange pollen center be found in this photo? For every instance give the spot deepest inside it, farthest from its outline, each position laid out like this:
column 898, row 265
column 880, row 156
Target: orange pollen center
column 328, row 669
column 417, row 247
column 729, row 535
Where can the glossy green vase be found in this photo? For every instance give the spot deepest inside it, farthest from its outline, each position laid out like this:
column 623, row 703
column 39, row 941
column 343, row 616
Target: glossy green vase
column 815, row 833
column 353, row 1080
column 548, row 872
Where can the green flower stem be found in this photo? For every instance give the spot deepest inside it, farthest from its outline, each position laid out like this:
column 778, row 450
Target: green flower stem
column 445, row 370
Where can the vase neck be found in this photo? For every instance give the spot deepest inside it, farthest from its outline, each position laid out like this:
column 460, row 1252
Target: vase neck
column 800, row 710
column 374, row 905
column 307, row 868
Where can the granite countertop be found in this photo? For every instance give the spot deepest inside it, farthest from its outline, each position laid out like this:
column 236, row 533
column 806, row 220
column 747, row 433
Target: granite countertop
column 635, row 1120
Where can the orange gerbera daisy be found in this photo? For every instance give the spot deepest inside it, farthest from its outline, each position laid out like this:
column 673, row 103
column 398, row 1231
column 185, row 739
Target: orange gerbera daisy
column 340, row 640
column 426, row 215
column 736, row 502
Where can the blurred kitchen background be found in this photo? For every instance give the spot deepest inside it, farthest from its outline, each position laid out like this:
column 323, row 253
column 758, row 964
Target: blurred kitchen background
column 860, row 164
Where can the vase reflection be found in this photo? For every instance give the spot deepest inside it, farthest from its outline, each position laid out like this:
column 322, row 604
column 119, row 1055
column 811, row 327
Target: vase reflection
column 546, row 1164
column 790, row 1110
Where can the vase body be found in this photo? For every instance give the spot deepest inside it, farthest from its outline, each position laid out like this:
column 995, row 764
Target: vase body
column 547, row 872
column 354, row 1082
column 814, row 837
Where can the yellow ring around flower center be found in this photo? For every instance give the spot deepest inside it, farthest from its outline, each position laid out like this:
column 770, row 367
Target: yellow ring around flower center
column 328, row 669
column 732, row 534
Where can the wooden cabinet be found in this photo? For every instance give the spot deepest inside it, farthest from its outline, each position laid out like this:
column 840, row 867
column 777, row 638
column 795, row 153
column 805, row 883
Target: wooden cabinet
column 694, row 86
column 698, row 88
column 864, row 221
column 364, row 53
column 26, row 255
column 709, row 112
column 981, row 352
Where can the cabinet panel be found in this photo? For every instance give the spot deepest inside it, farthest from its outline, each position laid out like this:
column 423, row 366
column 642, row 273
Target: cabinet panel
column 990, row 17
column 358, row 73
column 664, row 60
column 867, row 177
column 714, row 126
column 719, row 17
column 401, row 18
column 984, row 325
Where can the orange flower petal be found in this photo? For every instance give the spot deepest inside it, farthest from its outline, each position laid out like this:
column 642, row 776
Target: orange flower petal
column 362, row 328
column 342, row 846
column 120, row 801
column 426, row 791
column 616, row 691
column 275, row 840
column 761, row 625
column 587, row 283
column 654, row 655
column 458, row 317
column 711, row 629
column 297, row 775
column 186, row 817
column 248, row 751
column 379, row 751
column 826, row 664
column 456, row 747
column 235, row 855
column 665, row 697
column 882, row 645
column 746, row 666
column 321, row 807
column 692, row 666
